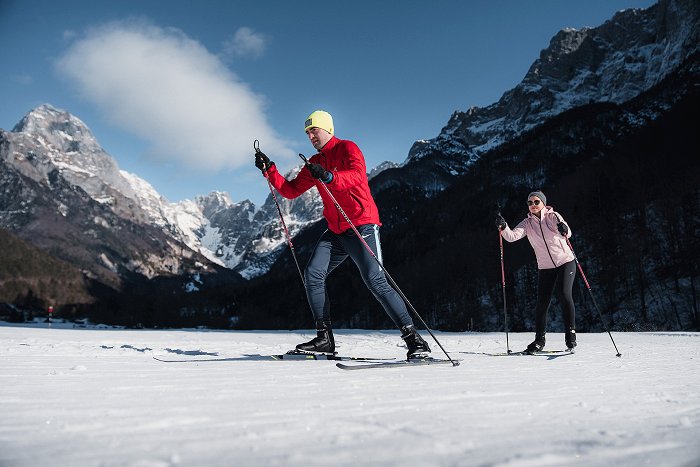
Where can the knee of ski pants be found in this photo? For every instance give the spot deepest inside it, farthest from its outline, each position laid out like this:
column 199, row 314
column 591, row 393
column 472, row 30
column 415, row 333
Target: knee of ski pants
column 377, row 283
column 314, row 275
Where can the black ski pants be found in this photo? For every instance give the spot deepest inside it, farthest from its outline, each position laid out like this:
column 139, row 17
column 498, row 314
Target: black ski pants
column 560, row 281
column 330, row 251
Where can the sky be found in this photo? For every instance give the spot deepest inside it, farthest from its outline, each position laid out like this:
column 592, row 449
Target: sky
column 177, row 91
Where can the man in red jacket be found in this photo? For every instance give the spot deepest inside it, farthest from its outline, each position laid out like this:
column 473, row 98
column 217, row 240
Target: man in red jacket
column 341, row 166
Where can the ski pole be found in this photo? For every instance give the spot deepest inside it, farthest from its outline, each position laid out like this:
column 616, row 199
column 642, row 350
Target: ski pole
column 386, row 273
column 592, row 297
column 256, row 146
column 503, row 283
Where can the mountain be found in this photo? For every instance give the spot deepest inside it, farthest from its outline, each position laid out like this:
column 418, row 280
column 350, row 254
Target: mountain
column 614, row 62
column 61, row 194
column 73, row 194
column 604, row 123
column 591, row 96
column 626, row 177
column 235, row 235
column 248, row 239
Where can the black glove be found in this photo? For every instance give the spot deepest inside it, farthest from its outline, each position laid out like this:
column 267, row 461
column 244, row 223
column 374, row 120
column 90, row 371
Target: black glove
column 319, row 173
column 500, row 222
column 562, row 228
column 263, row 162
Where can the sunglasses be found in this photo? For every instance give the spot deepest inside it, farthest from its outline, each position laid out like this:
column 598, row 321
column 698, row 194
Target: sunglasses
column 536, row 202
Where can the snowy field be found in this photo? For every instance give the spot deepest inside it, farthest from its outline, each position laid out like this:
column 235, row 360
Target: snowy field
column 94, row 397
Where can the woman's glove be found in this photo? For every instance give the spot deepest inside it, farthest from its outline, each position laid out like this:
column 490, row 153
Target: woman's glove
column 500, row 222
column 562, row 228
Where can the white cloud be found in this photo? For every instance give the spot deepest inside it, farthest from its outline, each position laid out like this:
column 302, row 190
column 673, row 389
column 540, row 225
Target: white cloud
column 245, row 43
column 170, row 91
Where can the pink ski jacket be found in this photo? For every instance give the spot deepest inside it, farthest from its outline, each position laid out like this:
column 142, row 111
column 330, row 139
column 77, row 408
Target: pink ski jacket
column 550, row 246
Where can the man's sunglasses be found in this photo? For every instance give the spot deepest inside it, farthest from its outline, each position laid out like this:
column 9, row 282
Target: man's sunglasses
column 536, row 202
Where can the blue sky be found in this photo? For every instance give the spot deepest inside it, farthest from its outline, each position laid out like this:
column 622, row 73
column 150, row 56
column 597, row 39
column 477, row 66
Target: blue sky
column 176, row 91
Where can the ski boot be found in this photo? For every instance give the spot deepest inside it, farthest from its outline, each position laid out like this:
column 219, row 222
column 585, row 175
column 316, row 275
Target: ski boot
column 536, row 345
column 570, row 339
column 417, row 347
column 322, row 343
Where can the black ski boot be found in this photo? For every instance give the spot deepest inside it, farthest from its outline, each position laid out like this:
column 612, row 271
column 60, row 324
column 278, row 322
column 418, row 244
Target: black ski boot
column 536, row 345
column 570, row 339
column 323, row 342
column 417, row 347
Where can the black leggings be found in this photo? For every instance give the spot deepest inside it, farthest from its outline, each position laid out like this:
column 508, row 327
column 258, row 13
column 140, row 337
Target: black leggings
column 560, row 281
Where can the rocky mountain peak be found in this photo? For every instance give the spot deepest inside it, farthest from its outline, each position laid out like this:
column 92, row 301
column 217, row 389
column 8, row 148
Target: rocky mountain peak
column 59, row 129
column 614, row 62
column 214, row 202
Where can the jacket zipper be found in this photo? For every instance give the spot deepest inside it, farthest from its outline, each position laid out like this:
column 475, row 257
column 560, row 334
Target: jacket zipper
column 545, row 243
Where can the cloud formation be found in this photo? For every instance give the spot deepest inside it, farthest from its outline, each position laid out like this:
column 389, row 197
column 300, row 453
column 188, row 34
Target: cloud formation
column 170, row 91
column 245, row 43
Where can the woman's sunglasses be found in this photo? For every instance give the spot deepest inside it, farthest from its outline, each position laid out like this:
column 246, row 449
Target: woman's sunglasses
column 536, row 202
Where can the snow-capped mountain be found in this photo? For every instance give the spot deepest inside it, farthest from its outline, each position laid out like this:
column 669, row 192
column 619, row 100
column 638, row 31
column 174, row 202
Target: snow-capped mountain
column 613, row 62
column 249, row 239
column 66, row 222
column 48, row 139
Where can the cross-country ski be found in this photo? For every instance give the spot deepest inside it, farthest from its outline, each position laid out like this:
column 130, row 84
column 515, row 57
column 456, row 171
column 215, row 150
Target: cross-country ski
column 525, row 353
column 289, row 356
column 400, row 363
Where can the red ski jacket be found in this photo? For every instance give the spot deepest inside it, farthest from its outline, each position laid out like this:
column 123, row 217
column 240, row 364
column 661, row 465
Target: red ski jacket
column 349, row 185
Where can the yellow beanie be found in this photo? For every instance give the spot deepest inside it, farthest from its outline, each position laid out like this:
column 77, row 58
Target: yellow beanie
column 319, row 119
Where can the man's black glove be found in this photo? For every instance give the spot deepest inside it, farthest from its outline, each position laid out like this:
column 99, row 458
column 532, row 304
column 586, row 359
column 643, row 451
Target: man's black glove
column 500, row 222
column 319, row 173
column 263, row 162
column 562, row 228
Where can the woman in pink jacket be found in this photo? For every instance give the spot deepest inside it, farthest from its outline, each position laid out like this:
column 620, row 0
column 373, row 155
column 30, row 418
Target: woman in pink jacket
column 547, row 233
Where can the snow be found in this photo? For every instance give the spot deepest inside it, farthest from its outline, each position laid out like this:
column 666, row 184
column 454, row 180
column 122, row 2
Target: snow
column 86, row 397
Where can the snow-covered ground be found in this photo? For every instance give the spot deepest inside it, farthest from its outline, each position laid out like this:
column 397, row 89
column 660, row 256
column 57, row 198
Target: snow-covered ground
column 82, row 397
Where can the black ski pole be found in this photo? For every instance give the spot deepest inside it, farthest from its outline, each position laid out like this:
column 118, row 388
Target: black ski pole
column 588, row 286
column 386, row 273
column 503, row 284
column 256, row 146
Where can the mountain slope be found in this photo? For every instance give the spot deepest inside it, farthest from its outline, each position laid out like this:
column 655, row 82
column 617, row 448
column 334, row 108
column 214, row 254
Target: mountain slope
column 31, row 278
column 41, row 203
column 613, row 62
column 235, row 235
column 625, row 177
